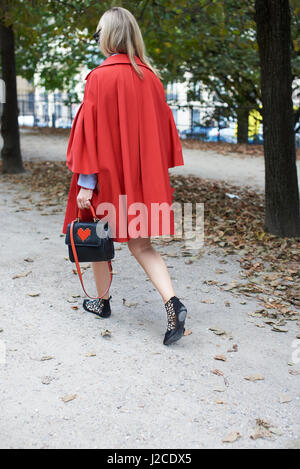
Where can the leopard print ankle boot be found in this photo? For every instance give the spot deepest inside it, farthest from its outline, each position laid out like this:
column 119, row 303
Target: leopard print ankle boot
column 176, row 315
column 100, row 307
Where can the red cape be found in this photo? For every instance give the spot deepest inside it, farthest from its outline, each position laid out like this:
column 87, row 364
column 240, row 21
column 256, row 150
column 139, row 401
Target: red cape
column 125, row 132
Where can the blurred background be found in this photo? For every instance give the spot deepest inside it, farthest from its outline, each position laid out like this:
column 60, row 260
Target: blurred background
column 206, row 51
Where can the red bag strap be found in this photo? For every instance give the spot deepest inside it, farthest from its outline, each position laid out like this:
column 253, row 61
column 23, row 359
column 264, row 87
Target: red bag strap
column 78, row 266
column 91, row 208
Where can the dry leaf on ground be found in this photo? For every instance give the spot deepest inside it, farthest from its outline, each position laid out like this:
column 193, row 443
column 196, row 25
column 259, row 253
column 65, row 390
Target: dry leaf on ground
column 234, row 436
column 128, row 303
column 294, row 372
column 284, row 398
column 217, row 331
column 217, row 373
column 23, row 274
column 254, row 378
column 264, row 429
column 221, row 358
column 69, row 398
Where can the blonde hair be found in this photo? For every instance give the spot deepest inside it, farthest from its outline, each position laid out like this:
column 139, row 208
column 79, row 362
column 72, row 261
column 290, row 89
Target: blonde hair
column 120, row 32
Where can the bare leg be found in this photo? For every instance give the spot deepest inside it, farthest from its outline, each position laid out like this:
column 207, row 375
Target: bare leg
column 102, row 277
column 153, row 265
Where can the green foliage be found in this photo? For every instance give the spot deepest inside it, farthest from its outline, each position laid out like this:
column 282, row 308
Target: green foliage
column 213, row 40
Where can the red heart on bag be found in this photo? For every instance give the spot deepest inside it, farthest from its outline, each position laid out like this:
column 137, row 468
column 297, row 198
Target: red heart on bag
column 83, row 234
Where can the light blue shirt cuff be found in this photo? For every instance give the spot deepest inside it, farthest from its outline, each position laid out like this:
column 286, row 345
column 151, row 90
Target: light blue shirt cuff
column 88, row 181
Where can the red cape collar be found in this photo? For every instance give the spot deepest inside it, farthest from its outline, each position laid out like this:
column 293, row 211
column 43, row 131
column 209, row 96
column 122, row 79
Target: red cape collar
column 119, row 59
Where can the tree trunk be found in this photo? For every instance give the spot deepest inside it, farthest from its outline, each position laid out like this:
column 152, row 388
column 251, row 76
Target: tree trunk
column 11, row 152
column 281, row 186
column 243, row 119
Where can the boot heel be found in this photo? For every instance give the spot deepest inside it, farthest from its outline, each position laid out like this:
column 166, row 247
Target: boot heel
column 182, row 315
column 176, row 313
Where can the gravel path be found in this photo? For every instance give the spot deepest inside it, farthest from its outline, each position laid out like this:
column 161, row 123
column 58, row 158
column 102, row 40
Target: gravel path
column 129, row 390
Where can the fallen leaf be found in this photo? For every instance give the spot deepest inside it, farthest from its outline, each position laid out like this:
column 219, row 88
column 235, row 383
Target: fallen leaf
column 187, row 332
column 284, row 398
column 264, row 429
column 294, row 372
column 69, row 398
column 128, row 304
column 217, row 372
column 260, row 433
column 28, row 259
column 217, row 331
column 33, row 294
column 222, row 358
column 91, row 354
column 255, row 378
column 106, row 333
column 234, row 436
column 220, row 402
column 46, row 358
column 279, row 329
column 234, row 348
column 24, row 274
column 263, row 423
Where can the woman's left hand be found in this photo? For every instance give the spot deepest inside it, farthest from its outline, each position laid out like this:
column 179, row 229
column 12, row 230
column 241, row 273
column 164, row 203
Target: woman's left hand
column 84, row 198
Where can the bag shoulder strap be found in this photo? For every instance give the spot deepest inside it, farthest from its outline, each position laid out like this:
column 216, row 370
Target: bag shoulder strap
column 79, row 271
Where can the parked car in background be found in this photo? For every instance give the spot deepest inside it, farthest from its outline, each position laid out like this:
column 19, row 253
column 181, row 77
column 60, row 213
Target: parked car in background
column 27, row 121
column 228, row 134
column 199, row 132
column 63, row 123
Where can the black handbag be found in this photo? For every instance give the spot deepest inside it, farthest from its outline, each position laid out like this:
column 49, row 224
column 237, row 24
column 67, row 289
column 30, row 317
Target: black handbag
column 90, row 242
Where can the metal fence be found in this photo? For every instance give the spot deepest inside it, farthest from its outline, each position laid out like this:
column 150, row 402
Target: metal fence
column 214, row 123
column 209, row 123
column 45, row 111
column 193, row 121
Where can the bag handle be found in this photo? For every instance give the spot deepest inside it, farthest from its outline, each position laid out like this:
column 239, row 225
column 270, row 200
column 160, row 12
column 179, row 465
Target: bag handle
column 91, row 208
column 78, row 266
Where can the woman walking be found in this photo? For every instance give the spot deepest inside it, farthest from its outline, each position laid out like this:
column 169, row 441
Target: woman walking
column 122, row 143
